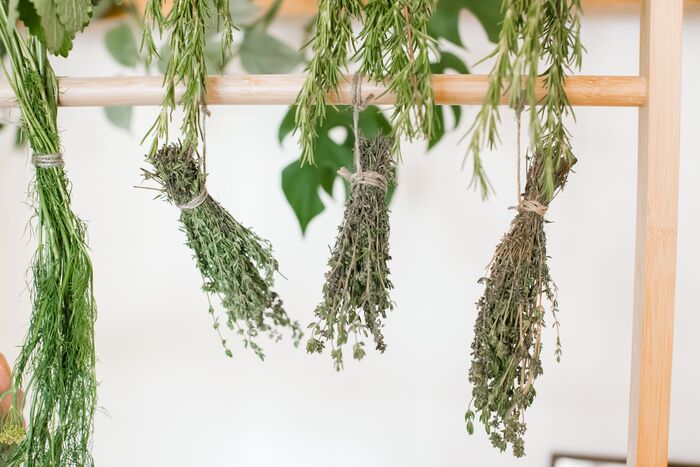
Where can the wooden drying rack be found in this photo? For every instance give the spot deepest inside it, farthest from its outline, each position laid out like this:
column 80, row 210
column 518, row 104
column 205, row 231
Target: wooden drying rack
column 656, row 91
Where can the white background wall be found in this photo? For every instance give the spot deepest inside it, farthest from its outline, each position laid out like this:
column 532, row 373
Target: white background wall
column 171, row 398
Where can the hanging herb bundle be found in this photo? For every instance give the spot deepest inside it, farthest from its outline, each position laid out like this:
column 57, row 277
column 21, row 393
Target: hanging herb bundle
column 395, row 48
column 508, row 331
column 356, row 291
column 237, row 266
column 56, row 365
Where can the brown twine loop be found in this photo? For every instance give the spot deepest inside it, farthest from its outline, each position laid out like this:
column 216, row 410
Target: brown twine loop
column 531, row 205
column 194, row 202
column 360, row 177
column 47, row 161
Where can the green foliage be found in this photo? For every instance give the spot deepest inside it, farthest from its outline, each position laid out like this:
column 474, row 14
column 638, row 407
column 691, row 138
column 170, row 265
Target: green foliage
column 532, row 33
column 122, row 46
column 356, row 291
column 262, row 53
column 302, row 184
column 445, row 20
column 54, row 22
column 56, row 365
column 119, row 116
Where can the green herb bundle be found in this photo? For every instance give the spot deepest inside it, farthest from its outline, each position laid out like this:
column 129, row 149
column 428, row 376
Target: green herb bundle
column 237, row 266
column 508, row 331
column 395, row 48
column 56, row 365
column 356, row 292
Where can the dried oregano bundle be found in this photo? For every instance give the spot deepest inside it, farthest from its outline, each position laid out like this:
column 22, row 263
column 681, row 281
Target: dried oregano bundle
column 356, row 291
column 507, row 341
column 508, row 330
column 236, row 264
column 395, row 48
column 56, row 364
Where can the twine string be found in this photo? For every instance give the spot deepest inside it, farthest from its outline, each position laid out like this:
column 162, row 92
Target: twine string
column 48, row 161
column 360, row 176
column 524, row 205
column 194, row 202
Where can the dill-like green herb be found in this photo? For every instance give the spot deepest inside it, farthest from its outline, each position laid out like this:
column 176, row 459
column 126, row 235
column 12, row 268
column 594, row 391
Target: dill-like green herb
column 56, row 365
column 356, row 291
column 237, row 265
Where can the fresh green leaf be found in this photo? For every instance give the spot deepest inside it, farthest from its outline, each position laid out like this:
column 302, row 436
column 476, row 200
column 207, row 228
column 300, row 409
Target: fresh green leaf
column 444, row 22
column 74, row 14
column 262, row 53
column 54, row 32
column 121, row 43
column 300, row 187
column 119, row 116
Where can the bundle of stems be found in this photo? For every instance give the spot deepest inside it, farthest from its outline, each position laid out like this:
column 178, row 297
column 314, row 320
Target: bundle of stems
column 507, row 342
column 508, row 331
column 395, row 48
column 356, row 291
column 56, row 365
column 238, row 267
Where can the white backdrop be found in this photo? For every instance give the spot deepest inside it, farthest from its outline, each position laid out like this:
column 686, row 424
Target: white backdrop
column 170, row 396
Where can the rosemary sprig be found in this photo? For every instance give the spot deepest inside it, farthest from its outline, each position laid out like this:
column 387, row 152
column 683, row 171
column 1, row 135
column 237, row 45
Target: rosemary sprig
column 330, row 46
column 356, row 292
column 396, row 48
column 56, row 365
column 532, row 32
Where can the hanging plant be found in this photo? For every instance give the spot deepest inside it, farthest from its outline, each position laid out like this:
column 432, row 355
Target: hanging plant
column 56, row 364
column 395, row 48
column 508, row 332
column 356, row 291
column 237, row 266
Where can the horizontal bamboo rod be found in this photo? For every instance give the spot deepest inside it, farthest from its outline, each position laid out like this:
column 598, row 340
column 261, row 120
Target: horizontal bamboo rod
column 610, row 91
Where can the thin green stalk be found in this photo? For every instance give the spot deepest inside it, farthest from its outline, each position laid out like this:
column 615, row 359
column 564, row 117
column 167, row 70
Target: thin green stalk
column 56, row 365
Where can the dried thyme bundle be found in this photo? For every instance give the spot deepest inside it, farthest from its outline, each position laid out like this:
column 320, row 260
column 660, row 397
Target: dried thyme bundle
column 237, row 265
column 508, row 330
column 56, row 365
column 507, row 341
column 395, row 48
column 356, row 291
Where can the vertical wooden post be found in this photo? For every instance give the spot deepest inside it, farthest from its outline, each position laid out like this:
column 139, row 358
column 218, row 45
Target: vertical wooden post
column 657, row 206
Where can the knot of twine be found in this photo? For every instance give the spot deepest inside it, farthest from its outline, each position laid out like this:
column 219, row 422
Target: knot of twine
column 47, row 161
column 531, row 205
column 361, row 177
column 194, row 202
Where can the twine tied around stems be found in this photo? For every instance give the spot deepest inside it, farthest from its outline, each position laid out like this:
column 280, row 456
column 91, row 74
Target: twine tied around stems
column 48, row 161
column 361, row 177
column 194, row 202
column 524, row 205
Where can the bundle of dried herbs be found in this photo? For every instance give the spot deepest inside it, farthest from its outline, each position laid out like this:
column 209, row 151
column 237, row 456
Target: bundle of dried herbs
column 395, row 49
column 237, row 265
column 507, row 342
column 356, row 292
column 56, row 365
